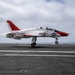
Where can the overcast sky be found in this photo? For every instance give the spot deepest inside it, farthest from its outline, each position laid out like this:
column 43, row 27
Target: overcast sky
column 58, row 14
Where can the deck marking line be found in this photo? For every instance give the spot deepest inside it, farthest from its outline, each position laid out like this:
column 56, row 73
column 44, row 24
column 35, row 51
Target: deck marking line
column 37, row 55
column 27, row 51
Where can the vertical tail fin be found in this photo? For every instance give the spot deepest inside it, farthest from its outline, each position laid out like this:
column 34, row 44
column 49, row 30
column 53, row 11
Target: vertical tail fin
column 12, row 26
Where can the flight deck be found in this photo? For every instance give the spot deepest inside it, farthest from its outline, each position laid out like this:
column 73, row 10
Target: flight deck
column 43, row 59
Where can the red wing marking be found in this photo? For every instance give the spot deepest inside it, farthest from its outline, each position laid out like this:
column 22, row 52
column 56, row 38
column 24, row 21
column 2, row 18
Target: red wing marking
column 28, row 35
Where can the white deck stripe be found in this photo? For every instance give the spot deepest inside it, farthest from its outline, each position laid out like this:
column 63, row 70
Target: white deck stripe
column 41, row 55
column 33, row 55
column 32, row 51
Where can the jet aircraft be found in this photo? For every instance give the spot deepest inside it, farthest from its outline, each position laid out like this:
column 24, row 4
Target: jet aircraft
column 18, row 34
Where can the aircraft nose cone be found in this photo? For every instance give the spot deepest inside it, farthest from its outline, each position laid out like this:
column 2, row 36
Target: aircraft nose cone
column 66, row 34
column 62, row 33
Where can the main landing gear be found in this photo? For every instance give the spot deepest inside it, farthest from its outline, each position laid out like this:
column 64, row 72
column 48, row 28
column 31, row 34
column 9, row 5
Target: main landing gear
column 56, row 42
column 34, row 39
column 33, row 44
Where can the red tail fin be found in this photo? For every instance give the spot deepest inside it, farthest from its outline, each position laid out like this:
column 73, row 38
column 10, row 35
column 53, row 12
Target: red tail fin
column 12, row 26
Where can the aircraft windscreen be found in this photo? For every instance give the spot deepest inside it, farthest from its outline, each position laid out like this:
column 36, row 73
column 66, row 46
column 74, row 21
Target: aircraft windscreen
column 56, row 31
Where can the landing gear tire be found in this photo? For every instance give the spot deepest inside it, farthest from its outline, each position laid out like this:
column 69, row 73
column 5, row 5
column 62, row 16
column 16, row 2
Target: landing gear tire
column 33, row 44
column 56, row 42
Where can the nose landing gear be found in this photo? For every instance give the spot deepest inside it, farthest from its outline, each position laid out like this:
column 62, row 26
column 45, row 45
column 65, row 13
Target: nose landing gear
column 56, row 42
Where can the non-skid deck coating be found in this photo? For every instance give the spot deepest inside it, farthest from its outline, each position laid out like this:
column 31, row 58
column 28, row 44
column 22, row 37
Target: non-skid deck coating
column 21, row 59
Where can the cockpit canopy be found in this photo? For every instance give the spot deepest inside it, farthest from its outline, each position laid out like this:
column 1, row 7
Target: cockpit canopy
column 47, row 28
column 41, row 28
column 50, row 29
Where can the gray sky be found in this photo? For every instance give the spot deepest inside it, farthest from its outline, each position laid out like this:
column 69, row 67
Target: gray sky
column 58, row 14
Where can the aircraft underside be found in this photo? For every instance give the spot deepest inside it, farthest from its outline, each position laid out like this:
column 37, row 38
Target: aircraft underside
column 34, row 39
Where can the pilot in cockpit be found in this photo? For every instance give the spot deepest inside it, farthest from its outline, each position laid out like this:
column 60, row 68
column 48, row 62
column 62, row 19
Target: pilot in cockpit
column 41, row 28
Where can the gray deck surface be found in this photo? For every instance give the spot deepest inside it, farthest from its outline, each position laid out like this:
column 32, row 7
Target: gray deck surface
column 21, row 59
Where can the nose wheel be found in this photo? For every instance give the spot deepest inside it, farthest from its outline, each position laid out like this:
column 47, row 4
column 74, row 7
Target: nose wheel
column 56, row 42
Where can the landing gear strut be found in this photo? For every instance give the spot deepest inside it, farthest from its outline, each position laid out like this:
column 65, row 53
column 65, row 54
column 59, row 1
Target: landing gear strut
column 34, row 39
column 56, row 42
